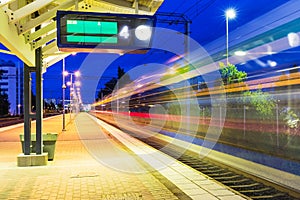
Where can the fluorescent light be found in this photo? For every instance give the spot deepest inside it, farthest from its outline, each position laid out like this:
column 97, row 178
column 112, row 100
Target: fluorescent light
column 272, row 63
column 240, row 53
column 293, row 39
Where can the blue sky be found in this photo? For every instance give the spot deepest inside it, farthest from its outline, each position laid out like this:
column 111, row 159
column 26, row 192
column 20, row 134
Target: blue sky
column 208, row 23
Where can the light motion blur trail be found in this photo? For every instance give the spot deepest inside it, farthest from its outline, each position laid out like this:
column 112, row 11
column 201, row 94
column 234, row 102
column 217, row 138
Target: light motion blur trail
column 164, row 107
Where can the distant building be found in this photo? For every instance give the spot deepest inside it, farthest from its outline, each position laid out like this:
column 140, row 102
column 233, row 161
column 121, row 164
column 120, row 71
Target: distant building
column 50, row 100
column 12, row 84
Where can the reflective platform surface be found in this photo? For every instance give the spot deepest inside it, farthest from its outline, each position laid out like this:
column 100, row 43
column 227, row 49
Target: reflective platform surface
column 93, row 161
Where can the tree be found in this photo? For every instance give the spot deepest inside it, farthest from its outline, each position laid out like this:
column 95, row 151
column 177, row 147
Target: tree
column 230, row 77
column 121, row 72
column 123, row 78
column 263, row 103
column 46, row 105
column 260, row 101
column 52, row 106
column 4, row 108
column 60, row 106
column 230, row 74
column 109, row 86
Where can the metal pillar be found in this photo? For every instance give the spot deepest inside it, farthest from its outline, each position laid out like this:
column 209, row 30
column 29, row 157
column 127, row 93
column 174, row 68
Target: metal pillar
column 71, row 95
column 27, row 109
column 227, row 42
column 244, row 122
column 118, row 102
column 277, row 125
column 76, row 5
column 136, row 2
column 188, row 85
column 64, row 94
column 39, row 100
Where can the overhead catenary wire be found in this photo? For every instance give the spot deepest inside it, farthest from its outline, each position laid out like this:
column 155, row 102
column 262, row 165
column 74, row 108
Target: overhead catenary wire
column 197, row 8
column 180, row 18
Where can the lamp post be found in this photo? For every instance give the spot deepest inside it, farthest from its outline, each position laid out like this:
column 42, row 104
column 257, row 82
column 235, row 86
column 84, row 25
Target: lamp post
column 79, row 97
column 64, row 91
column 72, row 85
column 229, row 14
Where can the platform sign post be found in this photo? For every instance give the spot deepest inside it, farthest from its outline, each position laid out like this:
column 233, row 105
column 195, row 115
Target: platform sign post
column 39, row 100
column 104, row 32
column 27, row 109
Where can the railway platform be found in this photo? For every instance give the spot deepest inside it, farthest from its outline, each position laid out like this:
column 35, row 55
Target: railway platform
column 92, row 163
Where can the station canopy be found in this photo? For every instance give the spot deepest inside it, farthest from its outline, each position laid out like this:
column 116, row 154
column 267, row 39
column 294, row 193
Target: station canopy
column 27, row 24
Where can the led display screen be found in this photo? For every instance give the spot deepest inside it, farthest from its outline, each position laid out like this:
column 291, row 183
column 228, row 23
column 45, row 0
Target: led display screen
column 86, row 30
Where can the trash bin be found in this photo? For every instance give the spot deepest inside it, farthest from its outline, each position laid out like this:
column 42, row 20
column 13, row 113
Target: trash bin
column 49, row 140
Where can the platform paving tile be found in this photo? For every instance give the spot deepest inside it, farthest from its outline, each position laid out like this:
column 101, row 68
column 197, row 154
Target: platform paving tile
column 74, row 173
column 210, row 185
column 194, row 191
column 234, row 197
column 204, row 197
column 187, row 185
column 206, row 182
column 223, row 192
column 194, row 176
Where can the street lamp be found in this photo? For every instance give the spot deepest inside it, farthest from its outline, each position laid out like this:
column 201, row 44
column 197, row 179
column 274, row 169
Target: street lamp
column 77, row 84
column 65, row 73
column 229, row 14
column 19, row 109
column 71, row 84
column 77, row 73
column 64, row 91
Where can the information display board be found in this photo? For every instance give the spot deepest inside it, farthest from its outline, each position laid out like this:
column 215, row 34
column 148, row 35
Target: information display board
column 103, row 32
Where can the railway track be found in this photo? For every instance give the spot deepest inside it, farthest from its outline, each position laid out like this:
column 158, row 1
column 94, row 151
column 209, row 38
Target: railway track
column 16, row 120
column 11, row 121
column 249, row 186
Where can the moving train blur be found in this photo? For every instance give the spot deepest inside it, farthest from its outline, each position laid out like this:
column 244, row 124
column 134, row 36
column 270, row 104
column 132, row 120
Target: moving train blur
column 213, row 111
